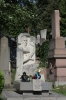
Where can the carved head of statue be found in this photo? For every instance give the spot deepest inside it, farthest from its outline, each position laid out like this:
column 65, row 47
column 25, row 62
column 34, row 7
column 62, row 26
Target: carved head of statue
column 24, row 41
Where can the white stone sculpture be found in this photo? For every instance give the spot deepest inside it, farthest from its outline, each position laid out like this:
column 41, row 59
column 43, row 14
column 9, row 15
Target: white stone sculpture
column 25, row 55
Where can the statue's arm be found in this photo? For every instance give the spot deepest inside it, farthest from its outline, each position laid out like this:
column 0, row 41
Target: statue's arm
column 30, row 57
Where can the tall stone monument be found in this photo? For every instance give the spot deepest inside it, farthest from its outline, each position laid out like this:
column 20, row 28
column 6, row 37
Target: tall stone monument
column 57, row 52
column 26, row 62
column 25, row 55
column 4, row 60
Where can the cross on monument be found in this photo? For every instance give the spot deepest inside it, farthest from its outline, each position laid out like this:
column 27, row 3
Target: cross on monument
column 55, row 24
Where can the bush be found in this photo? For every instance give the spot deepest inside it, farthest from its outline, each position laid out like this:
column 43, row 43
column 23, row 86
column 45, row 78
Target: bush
column 42, row 52
column 2, row 81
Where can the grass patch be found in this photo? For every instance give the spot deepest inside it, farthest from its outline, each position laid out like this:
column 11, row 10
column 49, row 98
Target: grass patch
column 1, row 97
column 60, row 89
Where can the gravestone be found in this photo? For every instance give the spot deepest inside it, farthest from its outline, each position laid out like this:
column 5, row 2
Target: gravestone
column 4, row 60
column 57, row 52
column 26, row 63
column 25, row 55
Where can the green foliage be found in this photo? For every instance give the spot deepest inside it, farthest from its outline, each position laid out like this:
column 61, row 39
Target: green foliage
column 1, row 81
column 1, row 98
column 14, row 19
column 13, row 71
column 16, row 16
column 60, row 89
column 63, row 17
column 41, row 65
column 46, row 8
column 42, row 53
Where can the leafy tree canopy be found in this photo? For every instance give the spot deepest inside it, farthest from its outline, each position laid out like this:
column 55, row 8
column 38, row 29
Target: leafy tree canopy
column 17, row 15
column 15, row 19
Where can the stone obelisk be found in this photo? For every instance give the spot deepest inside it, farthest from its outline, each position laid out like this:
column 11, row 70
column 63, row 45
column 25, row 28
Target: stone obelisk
column 57, row 52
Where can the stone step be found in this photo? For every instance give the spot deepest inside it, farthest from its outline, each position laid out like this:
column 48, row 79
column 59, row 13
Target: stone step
column 11, row 95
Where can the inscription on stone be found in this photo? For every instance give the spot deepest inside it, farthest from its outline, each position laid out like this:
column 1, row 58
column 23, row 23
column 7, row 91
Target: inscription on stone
column 37, row 86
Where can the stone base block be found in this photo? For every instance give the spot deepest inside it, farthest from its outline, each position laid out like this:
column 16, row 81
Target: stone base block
column 23, row 86
column 57, row 83
column 33, row 86
column 57, row 53
column 59, row 69
column 57, row 43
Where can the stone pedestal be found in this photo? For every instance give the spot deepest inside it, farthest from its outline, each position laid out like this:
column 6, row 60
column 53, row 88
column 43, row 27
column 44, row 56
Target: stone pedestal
column 57, row 57
column 36, row 85
column 57, row 52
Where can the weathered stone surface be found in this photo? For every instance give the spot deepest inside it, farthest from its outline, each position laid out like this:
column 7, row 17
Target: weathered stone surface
column 4, row 60
column 23, row 86
column 32, row 99
column 55, row 24
column 27, row 86
column 57, row 83
column 57, row 52
column 25, row 55
column 46, row 85
column 11, row 95
column 37, row 85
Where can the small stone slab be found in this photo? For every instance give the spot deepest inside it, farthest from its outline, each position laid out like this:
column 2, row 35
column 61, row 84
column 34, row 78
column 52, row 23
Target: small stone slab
column 37, row 85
